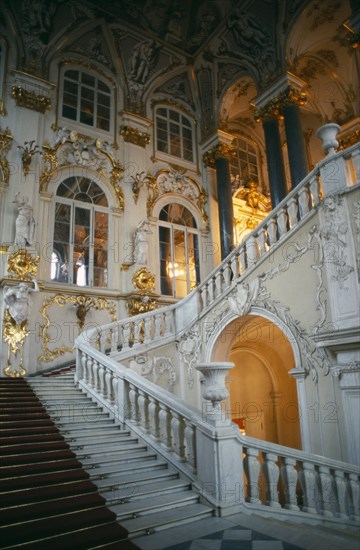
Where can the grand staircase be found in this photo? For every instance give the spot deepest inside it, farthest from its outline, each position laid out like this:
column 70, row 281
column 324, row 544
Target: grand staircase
column 139, row 489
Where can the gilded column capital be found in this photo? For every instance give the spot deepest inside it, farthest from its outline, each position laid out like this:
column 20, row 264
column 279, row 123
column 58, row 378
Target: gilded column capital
column 273, row 109
column 221, row 150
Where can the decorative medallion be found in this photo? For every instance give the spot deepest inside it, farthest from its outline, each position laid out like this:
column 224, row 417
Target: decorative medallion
column 141, row 304
column 22, row 264
column 143, row 279
column 30, row 100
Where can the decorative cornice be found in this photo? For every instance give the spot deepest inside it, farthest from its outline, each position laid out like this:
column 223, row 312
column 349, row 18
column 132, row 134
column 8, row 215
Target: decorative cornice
column 135, row 136
column 221, row 150
column 30, row 100
column 273, row 109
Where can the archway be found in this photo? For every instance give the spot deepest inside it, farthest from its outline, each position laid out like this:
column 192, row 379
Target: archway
column 263, row 399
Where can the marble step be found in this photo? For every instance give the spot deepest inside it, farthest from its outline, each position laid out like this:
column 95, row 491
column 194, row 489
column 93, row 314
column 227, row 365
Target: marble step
column 166, row 519
column 154, row 504
column 130, row 492
column 131, row 456
column 119, row 482
column 114, row 469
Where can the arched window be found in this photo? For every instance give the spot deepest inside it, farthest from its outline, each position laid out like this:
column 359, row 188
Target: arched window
column 179, row 251
column 244, row 166
column 86, row 99
column 81, row 228
column 174, row 134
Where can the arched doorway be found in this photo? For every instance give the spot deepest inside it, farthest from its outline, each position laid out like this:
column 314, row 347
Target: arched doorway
column 263, row 399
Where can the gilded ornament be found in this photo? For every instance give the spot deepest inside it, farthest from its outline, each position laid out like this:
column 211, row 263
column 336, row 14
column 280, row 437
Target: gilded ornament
column 349, row 140
column 115, row 178
column 143, row 304
column 14, row 336
column 135, row 136
column 5, row 144
column 273, row 109
column 28, row 151
column 143, row 279
column 221, row 150
column 82, row 304
column 30, row 100
column 23, row 264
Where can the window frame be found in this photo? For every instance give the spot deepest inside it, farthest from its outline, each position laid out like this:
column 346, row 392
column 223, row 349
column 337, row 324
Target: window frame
column 186, row 230
column 76, row 124
column 168, row 155
column 254, row 146
column 93, row 208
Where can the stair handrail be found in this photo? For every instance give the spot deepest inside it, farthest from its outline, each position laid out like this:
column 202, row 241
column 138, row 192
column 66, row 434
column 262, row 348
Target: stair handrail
column 170, row 321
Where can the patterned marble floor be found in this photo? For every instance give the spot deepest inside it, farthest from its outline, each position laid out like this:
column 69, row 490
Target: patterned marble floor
column 237, row 538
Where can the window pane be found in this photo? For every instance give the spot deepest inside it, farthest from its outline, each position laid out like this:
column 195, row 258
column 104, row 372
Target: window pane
column 88, row 79
column 165, row 259
column 102, row 86
column 174, row 115
column 161, row 112
column 74, row 75
column 69, row 112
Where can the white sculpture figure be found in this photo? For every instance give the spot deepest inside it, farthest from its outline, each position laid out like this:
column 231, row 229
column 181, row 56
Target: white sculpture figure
column 141, row 253
column 18, row 300
column 25, row 223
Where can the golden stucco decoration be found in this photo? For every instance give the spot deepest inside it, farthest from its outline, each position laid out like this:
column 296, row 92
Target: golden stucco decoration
column 221, row 150
column 141, row 304
column 14, row 336
column 135, row 136
column 30, row 100
column 22, row 264
column 82, row 304
column 143, row 279
column 74, row 149
column 5, row 145
column 349, row 140
column 273, row 109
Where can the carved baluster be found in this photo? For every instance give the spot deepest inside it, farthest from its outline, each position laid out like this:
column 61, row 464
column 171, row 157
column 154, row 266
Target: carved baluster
column 252, row 471
column 307, row 478
column 168, row 315
column 101, row 371
column 115, row 386
column 304, row 201
column 126, row 333
column 235, row 266
column 355, row 495
column 315, row 190
column 95, row 375
column 133, row 413
column 98, row 338
column 83, row 366
column 91, row 372
column 219, row 282
column 261, row 238
column 252, row 251
column 272, row 231
column 147, row 330
column 189, row 436
column 136, row 332
column 164, row 427
column 341, row 491
column 177, row 431
column 293, row 209
column 157, row 325
column 327, row 491
column 210, row 286
column 242, row 259
column 113, row 340
column 143, row 411
column 153, row 418
column 271, row 474
column 86, row 369
column 290, row 477
column 108, row 386
column 282, row 222
column 227, row 275
column 203, row 293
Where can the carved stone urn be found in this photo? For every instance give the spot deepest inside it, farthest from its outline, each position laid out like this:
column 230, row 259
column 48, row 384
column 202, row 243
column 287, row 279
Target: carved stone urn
column 214, row 389
column 327, row 134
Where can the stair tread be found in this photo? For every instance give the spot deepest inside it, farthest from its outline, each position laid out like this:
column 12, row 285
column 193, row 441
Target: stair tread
column 154, row 502
column 116, row 480
column 157, row 519
column 129, row 492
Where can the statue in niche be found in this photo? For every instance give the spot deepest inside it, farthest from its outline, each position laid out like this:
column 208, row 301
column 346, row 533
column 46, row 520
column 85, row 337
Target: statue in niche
column 141, row 252
column 143, row 59
column 25, row 223
column 18, row 300
column 253, row 197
